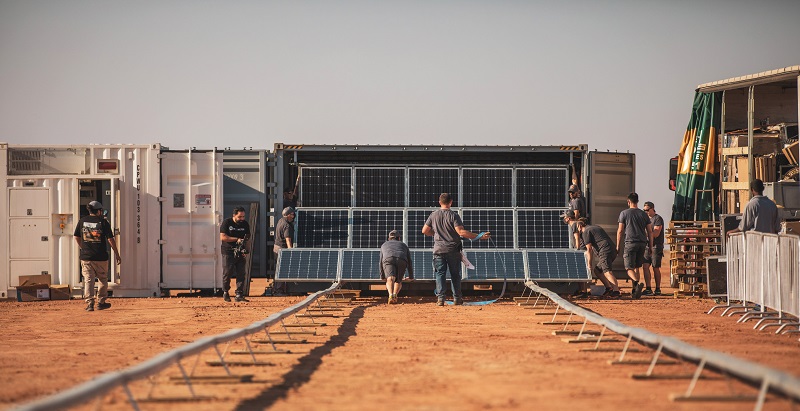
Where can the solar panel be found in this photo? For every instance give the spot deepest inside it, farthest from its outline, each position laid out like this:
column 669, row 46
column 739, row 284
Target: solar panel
column 486, row 187
column 541, row 229
column 557, row 265
column 542, row 187
column 496, row 265
column 371, row 227
column 321, row 228
column 361, row 265
column 326, row 187
column 499, row 222
column 426, row 184
column 423, row 264
column 414, row 238
column 380, row 187
column 307, row 265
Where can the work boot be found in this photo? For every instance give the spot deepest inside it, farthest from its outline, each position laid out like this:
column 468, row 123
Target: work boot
column 458, row 301
column 103, row 306
column 440, row 302
column 90, row 306
column 241, row 299
column 226, row 297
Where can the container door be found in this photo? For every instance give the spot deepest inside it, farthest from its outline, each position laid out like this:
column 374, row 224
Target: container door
column 28, row 237
column 192, row 193
column 611, row 177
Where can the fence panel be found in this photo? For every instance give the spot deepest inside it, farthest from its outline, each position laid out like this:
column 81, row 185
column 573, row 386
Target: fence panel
column 771, row 283
column 753, row 264
column 735, row 252
column 789, row 269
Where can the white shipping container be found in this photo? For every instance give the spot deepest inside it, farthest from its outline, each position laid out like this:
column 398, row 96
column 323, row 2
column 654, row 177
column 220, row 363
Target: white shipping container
column 47, row 189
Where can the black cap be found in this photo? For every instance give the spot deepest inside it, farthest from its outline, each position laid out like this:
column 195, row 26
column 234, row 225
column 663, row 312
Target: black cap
column 95, row 205
column 649, row 204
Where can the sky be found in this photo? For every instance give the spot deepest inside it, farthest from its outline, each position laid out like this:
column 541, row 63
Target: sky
column 616, row 75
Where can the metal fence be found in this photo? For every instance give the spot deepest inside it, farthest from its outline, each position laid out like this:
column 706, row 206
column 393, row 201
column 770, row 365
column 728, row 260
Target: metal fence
column 763, row 274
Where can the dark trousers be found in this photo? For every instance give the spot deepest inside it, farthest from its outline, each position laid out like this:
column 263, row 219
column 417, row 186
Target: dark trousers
column 233, row 267
column 443, row 263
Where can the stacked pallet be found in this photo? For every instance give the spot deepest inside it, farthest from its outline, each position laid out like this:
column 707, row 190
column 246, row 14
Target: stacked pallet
column 690, row 243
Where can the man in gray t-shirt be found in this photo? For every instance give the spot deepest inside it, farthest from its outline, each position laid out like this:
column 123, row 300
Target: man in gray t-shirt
column 653, row 257
column 576, row 211
column 635, row 224
column 760, row 214
column 446, row 228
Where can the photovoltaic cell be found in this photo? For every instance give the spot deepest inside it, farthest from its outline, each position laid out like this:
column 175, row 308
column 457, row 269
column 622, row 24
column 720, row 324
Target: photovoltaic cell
column 423, row 264
column 361, row 265
column 541, row 229
column 499, row 222
column 321, row 228
column 496, row 265
column 486, row 187
column 307, row 265
column 414, row 238
column 371, row 227
column 557, row 265
column 426, row 184
column 542, row 187
column 380, row 187
column 326, row 187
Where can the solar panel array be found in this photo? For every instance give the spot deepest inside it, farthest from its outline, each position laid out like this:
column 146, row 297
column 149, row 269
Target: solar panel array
column 426, row 184
column 371, row 227
column 541, row 187
column 326, row 187
column 541, row 229
column 496, row 265
column 361, row 265
column 307, row 265
column 499, row 222
column 557, row 265
column 322, row 228
column 487, row 187
column 380, row 187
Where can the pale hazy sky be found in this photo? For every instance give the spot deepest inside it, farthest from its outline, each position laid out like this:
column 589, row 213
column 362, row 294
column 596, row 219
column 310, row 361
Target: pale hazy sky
column 616, row 75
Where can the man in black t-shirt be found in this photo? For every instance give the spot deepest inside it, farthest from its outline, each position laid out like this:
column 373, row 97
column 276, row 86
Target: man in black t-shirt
column 92, row 233
column 233, row 232
column 596, row 239
column 653, row 258
column 635, row 225
column 576, row 211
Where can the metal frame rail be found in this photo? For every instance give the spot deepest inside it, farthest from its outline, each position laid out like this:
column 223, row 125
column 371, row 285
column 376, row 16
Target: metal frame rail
column 111, row 380
column 766, row 378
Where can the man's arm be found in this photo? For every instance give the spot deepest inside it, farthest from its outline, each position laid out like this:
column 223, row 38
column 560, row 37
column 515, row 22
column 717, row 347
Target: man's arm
column 410, row 264
column 463, row 232
column 78, row 240
column 620, row 230
column 650, row 236
column 427, row 230
column 657, row 230
column 228, row 239
column 113, row 244
column 589, row 258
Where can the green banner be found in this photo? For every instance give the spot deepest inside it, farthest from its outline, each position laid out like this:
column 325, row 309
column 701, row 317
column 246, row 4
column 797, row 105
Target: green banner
column 698, row 165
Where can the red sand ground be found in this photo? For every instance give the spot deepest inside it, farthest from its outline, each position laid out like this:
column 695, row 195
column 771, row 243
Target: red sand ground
column 412, row 356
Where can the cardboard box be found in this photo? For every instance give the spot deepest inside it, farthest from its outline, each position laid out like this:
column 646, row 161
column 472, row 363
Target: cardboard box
column 33, row 288
column 791, row 152
column 790, row 227
column 60, row 292
column 762, row 143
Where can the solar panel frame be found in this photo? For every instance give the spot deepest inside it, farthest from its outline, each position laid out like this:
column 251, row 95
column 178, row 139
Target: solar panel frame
column 501, row 223
column 360, row 264
column 541, row 228
column 304, row 265
column 542, row 265
column 536, row 187
column 496, row 265
column 334, row 189
column 322, row 228
column 370, row 227
column 487, row 187
column 380, row 187
column 425, row 185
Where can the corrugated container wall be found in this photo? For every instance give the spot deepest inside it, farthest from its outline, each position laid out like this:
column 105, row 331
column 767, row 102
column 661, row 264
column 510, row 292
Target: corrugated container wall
column 47, row 189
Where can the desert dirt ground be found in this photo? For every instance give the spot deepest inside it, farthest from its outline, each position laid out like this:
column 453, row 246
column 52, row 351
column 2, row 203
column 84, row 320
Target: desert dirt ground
column 410, row 356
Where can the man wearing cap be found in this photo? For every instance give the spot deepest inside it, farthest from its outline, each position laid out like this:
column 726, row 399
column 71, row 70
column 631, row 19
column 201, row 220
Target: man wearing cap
column 598, row 242
column 446, row 228
column 232, row 232
column 576, row 211
column 634, row 225
column 92, row 233
column 653, row 258
column 394, row 260
column 284, row 238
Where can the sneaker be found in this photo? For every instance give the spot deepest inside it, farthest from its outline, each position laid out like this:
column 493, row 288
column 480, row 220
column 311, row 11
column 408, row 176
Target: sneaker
column 89, row 307
column 582, row 295
column 607, row 292
column 103, row 306
column 613, row 294
column 647, row 291
column 637, row 292
column 657, row 291
column 241, row 299
column 226, row 298
column 458, row 301
column 440, row 302
column 391, row 299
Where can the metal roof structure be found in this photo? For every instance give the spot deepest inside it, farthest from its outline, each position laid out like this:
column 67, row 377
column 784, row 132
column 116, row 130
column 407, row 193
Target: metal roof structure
column 786, row 73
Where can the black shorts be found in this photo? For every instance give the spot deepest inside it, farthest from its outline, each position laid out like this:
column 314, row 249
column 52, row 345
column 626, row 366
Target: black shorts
column 394, row 267
column 605, row 260
column 655, row 259
column 634, row 255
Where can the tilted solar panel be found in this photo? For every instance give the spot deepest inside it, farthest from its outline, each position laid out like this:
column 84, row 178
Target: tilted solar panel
column 361, row 265
column 380, row 187
column 496, row 265
column 541, row 229
column 423, row 264
column 426, row 184
column 307, row 265
column 321, row 228
column 542, row 187
column 557, row 265
column 371, row 227
column 499, row 222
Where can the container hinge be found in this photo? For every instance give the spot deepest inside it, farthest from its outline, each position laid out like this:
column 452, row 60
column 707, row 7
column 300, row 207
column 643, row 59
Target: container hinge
column 162, row 242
